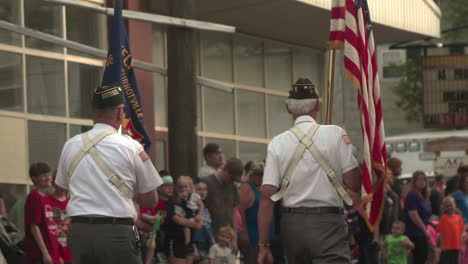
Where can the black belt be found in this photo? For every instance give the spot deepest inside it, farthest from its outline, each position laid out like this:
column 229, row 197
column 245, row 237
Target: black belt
column 102, row 220
column 313, row 210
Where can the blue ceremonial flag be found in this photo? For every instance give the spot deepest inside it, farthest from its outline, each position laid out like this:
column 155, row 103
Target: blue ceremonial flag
column 119, row 68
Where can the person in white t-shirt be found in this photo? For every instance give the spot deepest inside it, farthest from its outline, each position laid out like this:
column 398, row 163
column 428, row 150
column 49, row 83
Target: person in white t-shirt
column 101, row 208
column 213, row 156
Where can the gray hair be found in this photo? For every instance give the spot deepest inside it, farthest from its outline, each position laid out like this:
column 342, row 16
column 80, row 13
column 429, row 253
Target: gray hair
column 304, row 106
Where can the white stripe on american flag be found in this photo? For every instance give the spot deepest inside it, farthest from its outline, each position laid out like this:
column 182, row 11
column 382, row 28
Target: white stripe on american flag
column 338, row 3
column 351, row 23
column 337, row 24
column 361, row 67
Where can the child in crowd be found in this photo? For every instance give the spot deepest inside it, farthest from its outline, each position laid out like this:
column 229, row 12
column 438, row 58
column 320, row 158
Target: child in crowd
column 451, row 228
column 221, row 253
column 203, row 238
column 59, row 219
column 194, row 205
column 41, row 245
column 150, row 215
column 396, row 245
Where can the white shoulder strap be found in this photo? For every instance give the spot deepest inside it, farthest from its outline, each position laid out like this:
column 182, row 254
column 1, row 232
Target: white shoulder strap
column 88, row 147
column 295, row 160
column 85, row 149
column 307, row 143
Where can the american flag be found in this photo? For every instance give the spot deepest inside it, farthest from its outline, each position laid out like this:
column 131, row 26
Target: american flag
column 351, row 27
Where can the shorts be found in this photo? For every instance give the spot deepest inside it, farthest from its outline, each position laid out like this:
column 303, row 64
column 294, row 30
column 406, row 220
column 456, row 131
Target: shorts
column 175, row 247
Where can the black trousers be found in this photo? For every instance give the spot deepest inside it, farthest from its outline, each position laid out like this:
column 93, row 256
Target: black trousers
column 103, row 244
column 315, row 238
column 421, row 248
column 449, row 257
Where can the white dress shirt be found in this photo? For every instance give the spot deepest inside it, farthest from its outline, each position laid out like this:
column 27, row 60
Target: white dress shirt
column 91, row 192
column 309, row 186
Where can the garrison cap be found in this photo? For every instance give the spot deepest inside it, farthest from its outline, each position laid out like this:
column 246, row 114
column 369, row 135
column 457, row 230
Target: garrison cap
column 303, row 88
column 108, row 96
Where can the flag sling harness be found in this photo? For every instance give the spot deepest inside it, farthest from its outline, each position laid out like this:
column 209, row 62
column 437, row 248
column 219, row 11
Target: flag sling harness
column 306, row 143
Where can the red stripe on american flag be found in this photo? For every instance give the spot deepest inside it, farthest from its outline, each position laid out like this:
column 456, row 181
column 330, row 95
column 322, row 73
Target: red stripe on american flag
column 361, row 67
column 336, row 37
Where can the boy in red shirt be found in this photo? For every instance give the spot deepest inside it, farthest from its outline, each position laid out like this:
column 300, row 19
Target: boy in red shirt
column 40, row 245
column 59, row 219
column 450, row 227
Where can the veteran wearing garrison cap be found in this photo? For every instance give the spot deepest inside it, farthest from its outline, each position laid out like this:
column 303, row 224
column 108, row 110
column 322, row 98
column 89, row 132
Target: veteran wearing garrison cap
column 103, row 171
column 310, row 168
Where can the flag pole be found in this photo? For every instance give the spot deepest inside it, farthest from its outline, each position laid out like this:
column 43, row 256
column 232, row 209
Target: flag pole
column 331, row 82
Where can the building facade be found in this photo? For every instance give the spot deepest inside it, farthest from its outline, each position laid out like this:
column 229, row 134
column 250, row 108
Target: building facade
column 45, row 89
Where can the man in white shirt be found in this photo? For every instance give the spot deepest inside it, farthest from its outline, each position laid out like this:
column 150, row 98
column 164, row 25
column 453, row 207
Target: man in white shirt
column 102, row 177
column 313, row 228
column 213, row 160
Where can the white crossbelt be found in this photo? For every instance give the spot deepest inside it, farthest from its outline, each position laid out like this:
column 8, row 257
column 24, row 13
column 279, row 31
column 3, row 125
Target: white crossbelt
column 307, row 143
column 88, row 148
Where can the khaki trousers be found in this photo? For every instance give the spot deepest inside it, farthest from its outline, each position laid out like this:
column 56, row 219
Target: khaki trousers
column 103, row 244
column 315, row 238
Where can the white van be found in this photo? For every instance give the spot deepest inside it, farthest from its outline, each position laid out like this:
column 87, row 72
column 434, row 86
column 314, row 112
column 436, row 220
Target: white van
column 410, row 148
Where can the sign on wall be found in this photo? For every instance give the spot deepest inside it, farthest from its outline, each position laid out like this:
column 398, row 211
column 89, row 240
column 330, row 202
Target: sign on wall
column 449, row 166
column 445, row 91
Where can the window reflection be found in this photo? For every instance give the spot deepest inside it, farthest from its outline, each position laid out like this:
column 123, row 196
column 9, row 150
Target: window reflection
column 46, row 140
column 45, row 83
column 219, row 111
column 11, row 82
column 9, row 12
column 278, row 117
column 160, row 99
column 251, row 113
column 82, row 80
column 217, row 56
column 44, row 18
column 249, row 62
column 92, row 28
column 278, row 67
column 78, row 129
column 252, row 151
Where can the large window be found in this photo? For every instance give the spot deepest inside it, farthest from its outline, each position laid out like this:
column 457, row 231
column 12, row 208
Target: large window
column 91, row 25
column 45, row 18
column 160, row 99
column 11, row 81
column 219, row 111
column 252, row 151
column 45, row 82
column 249, row 62
column 278, row 118
column 251, row 114
column 10, row 12
column 241, row 121
column 45, row 93
column 216, row 57
column 46, row 141
column 278, row 66
column 82, row 80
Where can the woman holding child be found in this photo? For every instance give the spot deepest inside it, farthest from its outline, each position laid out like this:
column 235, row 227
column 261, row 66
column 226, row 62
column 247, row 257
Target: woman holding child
column 177, row 223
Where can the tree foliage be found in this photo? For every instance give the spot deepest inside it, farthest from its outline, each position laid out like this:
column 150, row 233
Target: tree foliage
column 409, row 90
column 455, row 15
